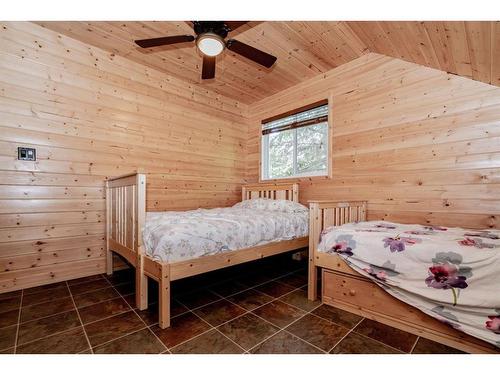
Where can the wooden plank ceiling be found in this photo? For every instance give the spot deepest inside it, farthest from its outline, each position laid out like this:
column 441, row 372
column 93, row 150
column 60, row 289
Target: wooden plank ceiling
column 304, row 50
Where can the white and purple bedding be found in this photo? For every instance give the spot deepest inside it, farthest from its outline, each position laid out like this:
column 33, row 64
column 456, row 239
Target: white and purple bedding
column 451, row 274
column 174, row 236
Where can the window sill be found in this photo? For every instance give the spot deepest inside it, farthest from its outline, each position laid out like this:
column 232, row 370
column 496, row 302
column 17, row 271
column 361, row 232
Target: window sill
column 295, row 179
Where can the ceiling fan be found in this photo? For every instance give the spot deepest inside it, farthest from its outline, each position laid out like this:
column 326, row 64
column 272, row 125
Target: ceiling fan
column 210, row 40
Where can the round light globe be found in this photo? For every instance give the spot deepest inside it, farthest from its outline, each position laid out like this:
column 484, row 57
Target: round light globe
column 210, row 44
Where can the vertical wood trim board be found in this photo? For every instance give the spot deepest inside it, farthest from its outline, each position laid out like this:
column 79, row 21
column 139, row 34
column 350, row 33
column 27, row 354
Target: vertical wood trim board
column 418, row 144
column 90, row 115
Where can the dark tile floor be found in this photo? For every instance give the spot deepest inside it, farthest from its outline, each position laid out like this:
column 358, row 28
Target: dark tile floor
column 260, row 307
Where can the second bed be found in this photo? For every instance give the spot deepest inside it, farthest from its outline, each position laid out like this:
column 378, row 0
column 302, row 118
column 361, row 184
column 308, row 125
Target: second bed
column 436, row 282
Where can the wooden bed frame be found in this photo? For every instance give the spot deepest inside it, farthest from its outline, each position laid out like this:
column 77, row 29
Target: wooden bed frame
column 125, row 216
column 345, row 288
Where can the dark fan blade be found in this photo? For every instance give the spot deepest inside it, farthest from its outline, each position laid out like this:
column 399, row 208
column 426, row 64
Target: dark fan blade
column 233, row 25
column 254, row 54
column 208, row 70
column 155, row 42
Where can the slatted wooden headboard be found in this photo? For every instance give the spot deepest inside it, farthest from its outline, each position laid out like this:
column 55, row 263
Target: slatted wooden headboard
column 271, row 191
column 324, row 214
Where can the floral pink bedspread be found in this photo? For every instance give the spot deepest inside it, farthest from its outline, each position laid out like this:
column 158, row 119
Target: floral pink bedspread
column 452, row 274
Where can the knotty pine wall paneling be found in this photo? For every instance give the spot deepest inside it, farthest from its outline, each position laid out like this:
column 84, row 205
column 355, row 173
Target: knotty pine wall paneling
column 418, row 144
column 90, row 115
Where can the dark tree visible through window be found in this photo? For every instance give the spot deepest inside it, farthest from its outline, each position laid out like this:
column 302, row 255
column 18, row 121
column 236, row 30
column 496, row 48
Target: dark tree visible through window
column 296, row 145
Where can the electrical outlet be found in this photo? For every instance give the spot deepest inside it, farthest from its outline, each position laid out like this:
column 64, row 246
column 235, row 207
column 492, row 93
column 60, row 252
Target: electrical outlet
column 24, row 153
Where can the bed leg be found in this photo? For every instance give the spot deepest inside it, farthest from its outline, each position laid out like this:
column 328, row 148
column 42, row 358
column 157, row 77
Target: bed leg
column 141, row 285
column 164, row 297
column 312, row 286
column 109, row 262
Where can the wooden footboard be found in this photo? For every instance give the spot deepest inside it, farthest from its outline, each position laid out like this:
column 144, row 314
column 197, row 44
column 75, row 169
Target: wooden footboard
column 125, row 216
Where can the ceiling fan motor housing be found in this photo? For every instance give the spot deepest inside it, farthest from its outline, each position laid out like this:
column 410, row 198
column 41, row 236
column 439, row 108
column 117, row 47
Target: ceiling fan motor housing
column 217, row 27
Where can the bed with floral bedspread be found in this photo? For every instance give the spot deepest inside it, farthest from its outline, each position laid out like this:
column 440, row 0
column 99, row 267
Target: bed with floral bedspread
column 451, row 274
column 173, row 236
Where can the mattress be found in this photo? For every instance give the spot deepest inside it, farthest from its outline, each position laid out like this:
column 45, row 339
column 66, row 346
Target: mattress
column 451, row 274
column 176, row 236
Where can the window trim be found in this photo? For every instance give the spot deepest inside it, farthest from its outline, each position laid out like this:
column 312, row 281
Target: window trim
column 296, row 110
column 264, row 151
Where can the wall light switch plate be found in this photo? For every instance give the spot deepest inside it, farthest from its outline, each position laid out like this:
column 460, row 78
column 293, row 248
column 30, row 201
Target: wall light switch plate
column 24, row 153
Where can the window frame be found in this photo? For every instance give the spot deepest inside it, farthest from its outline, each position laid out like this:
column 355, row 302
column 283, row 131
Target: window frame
column 264, row 146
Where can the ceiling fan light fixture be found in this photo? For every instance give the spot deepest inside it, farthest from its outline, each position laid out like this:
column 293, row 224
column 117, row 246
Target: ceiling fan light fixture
column 210, row 44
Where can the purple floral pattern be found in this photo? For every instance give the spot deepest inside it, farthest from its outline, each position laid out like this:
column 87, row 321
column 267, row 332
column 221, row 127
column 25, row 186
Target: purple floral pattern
column 493, row 324
column 387, row 269
column 172, row 236
column 385, row 225
column 379, row 275
column 397, row 244
column 483, row 234
column 446, row 273
column 436, row 228
column 476, row 242
column 344, row 244
column 419, row 232
column 445, row 276
column 440, row 271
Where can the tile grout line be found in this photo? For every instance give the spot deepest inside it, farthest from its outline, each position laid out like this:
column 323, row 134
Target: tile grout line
column 307, row 312
column 124, row 312
column 64, row 312
column 110, row 285
column 69, row 329
column 52, row 334
column 213, row 327
column 98, row 320
column 252, row 287
column 328, row 320
column 71, row 295
column 258, row 307
column 267, row 303
column 197, row 307
column 188, row 309
column 284, row 330
column 101, row 276
column 370, row 338
column 117, row 338
column 148, row 327
column 67, row 286
column 48, row 316
column 414, row 345
column 18, row 321
column 286, row 326
column 79, row 318
column 347, row 334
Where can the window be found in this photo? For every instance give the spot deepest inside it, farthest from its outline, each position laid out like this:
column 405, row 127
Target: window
column 296, row 144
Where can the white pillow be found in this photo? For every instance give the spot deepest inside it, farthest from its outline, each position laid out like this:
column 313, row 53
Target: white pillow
column 278, row 205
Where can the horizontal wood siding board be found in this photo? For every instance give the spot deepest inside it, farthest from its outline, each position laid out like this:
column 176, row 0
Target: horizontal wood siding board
column 92, row 116
column 420, row 145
